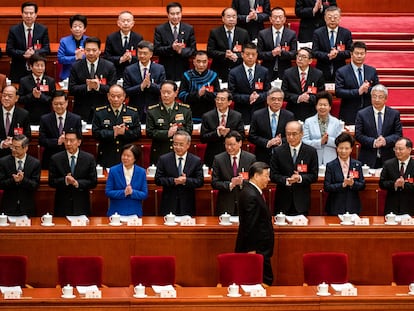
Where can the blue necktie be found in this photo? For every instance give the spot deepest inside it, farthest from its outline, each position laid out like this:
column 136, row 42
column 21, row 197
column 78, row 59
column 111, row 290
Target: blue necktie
column 72, row 165
column 379, row 121
column 277, row 40
column 274, row 124
column 20, row 165
column 332, row 39
column 229, row 39
column 180, row 166
column 250, row 78
column 294, row 157
column 360, row 76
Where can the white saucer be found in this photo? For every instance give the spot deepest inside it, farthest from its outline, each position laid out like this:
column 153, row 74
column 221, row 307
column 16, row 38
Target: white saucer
column 281, row 223
column 139, row 296
column 411, row 293
column 225, row 223
column 170, row 224
column 115, row 225
column 68, row 297
column 5, row 225
column 347, row 223
column 391, row 223
column 237, row 295
column 47, row 225
column 321, row 294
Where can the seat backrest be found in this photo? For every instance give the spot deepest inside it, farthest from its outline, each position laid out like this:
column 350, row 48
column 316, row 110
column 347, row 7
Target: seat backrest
column 13, row 270
column 325, row 267
column 200, row 150
column 240, row 268
column 152, row 270
column 145, row 155
column 403, row 268
column 80, row 270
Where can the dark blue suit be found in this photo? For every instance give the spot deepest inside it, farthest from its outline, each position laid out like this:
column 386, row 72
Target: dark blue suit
column 341, row 200
column 265, row 45
column 322, row 46
column 138, row 98
column 346, row 88
column 179, row 199
column 241, row 89
column 66, row 54
column 366, row 133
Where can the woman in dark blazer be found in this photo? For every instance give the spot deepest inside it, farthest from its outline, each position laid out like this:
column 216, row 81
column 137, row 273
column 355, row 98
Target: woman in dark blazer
column 343, row 179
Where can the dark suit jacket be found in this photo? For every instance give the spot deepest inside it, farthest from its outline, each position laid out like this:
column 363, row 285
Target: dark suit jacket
column 49, row 134
column 260, row 131
column 366, row 133
column 243, row 9
column 322, row 46
column 17, row 46
column 265, row 45
column 175, row 64
column 208, row 133
column 217, row 46
column 68, row 199
column 228, row 201
column 341, row 200
column 297, row 196
column 138, row 98
column 19, row 119
column 292, row 89
column 346, row 88
column 308, row 21
column 114, row 50
column 36, row 106
column 18, row 199
column 241, row 89
column 86, row 101
column 399, row 201
column 179, row 199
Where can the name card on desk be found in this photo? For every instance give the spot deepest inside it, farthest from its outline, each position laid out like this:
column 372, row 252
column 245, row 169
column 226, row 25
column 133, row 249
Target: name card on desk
column 352, row 291
column 12, row 294
column 299, row 222
column 168, row 293
column 134, row 222
column 93, row 294
column 187, row 221
column 78, row 222
column 258, row 292
column 361, row 221
column 23, row 222
column 407, row 222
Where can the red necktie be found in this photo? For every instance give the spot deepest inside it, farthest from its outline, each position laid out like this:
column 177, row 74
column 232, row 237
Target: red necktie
column 29, row 38
column 302, row 80
column 38, row 83
column 7, row 123
column 402, row 169
column 235, row 166
column 223, row 120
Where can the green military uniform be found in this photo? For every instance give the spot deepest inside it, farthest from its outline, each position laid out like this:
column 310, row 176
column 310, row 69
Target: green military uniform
column 158, row 123
column 109, row 149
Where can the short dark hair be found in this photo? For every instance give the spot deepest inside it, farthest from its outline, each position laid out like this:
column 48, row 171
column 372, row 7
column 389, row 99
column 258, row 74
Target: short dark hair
column 278, row 8
column 74, row 131
column 345, row 137
column 23, row 139
column 93, row 40
column 408, row 142
column 28, row 3
column 332, row 8
column 324, row 94
column 134, row 149
column 37, row 58
column 200, row 52
column 169, row 82
column 59, row 93
column 359, row 45
column 80, row 18
column 234, row 134
column 249, row 45
column 229, row 94
column 307, row 50
column 257, row 167
column 225, row 9
column 146, row 44
column 174, row 5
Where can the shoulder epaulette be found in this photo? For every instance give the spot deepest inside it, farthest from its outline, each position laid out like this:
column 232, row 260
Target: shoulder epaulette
column 152, row 107
column 132, row 108
column 100, row 108
column 184, row 105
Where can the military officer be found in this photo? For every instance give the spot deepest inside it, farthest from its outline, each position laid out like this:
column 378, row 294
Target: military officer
column 114, row 126
column 165, row 118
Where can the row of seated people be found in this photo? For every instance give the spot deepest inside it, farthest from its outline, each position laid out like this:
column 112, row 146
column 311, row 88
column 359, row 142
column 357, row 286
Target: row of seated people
column 233, row 268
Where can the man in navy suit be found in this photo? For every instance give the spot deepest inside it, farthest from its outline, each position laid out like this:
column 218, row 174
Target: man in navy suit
column 249, row 83
column 174, row 43
column 301, row 84
column 277, row 45
column 142, row 80
column 225, row 43
column 377, row 128
column 217, row 123
column 24, row 40
column 179, row 173
column 90, row 80
column 267, row 129
column 331, row 44
column 121, row 46
column 353, row 83
column 251, row 15
column 294, row 167
column 54, row 125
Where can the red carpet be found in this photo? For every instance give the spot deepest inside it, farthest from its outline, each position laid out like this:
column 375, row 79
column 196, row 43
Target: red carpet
column 391, row 59
column 404, row 24
column 400, row 97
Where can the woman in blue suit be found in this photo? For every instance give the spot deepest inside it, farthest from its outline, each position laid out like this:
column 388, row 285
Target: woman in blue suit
column 126, row 185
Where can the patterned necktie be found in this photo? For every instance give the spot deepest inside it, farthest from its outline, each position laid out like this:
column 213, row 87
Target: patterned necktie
column 360, row 80
column 223, row 119
column 72, row 164
column 379, row 121
column 274, row 124
column 7, row 123
column 302, row 80
column 92, row 71
column 180, row 166
column 295, row 156
column 250, row 77
column 229, row 39
column 277, row 40
column 175, row 33
column 145, row 73
column 20, row 165
column 402, row 169
column 29, row 38
column 38, row 83
column 125, row 42
column 60, row 125
column 235, row 166
column 332, row 39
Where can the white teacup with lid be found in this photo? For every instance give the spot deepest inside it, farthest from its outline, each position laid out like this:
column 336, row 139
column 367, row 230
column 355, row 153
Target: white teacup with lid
column 139, row 290
column 47, row 219
column 169, row 218
column 280, row 219
column 115, row 219
column 323, row 289
column 3, row 220
column 390, row 218
column 233, row 289
column 347, row 217
column 67, row 291
column 224, row 218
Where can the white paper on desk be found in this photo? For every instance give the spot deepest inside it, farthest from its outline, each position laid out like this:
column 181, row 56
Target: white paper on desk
column 34, row 128
column 126, row 218
column 179, row 219
column 292, row 218
column 13, row 219
column 249, row 288
column 158, row 288
column 399, row 218
column 88, row 126
column 83, row 289
column 353, row 217
column 234, row 219
column 340, row 287
column 74, row 218
column 17, row 289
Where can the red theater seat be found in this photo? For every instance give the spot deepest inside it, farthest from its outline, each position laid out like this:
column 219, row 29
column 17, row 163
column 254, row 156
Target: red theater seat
column 13, row 270
column 152, row 270
column 80, row 270
column 325, row 267
column 240, row 268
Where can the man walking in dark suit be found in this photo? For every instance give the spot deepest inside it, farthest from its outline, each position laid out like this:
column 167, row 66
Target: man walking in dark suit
column 121, row 46
column 90, row 79
column 255, row 233
column 24, row 40
column 331, row 44
column 353, row 83
column 294, row 167
column 54, row 125
column 229, row 171
column 397, row 178
column 277, row 45
column 174, row 43
column 225, row 43
column 377, row 128
column 217, row 123
column 73, row 173
column 267, row 129
column 249, row 83
column 179, row 173
column 19, row 179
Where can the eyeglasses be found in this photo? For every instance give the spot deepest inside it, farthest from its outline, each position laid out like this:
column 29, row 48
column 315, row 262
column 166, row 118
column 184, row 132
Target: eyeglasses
column 377, row 96
column 279, row 99
column 301, row 56
column 293, row 134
